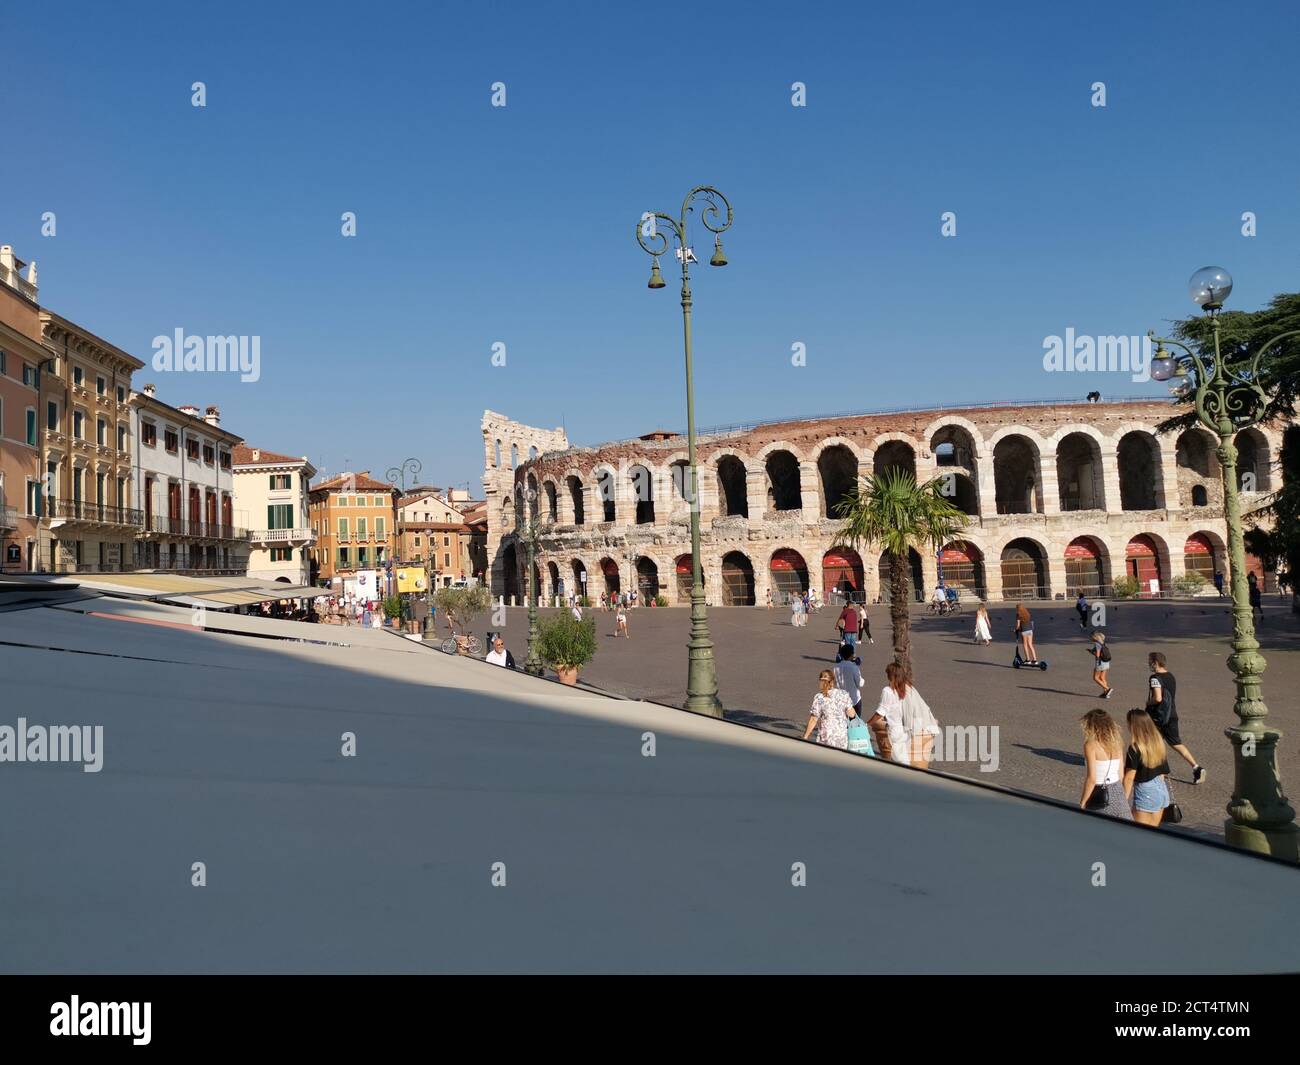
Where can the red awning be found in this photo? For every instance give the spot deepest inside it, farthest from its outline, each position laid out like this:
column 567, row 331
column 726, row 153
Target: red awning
column 1198, row 544
column 785, row 559
column 1083, row 547
column 1140, row 547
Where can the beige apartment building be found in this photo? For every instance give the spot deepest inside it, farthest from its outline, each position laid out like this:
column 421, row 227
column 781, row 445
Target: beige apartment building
column 87, row 524
column 434, row 531
column 271, row 495
column 21, row 358
column 353, row 517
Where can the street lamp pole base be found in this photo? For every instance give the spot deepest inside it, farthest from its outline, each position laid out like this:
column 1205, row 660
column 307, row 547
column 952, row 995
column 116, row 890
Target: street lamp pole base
column 1277, row 842
column 701, row 673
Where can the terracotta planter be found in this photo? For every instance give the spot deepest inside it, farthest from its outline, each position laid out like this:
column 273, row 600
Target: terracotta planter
column 567, row 674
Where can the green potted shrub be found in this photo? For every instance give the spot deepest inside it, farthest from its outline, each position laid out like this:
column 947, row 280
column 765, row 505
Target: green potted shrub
column 1189, row 584
column 566, row 644
column 1125, row 587
column 661, row 600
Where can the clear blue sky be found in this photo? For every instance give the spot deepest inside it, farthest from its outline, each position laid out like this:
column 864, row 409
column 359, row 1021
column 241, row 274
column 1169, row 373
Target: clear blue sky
column 480, row 224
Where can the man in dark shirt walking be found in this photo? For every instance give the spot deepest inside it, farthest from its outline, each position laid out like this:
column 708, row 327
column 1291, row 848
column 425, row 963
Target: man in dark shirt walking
column 1162, row 692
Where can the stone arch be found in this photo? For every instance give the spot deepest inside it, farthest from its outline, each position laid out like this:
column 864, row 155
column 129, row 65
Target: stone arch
column 1087, row 567
column 788, row 573
column 959, row 488
column 1080, row 473
column 580, row 579
column 784, row 492
column 1138, row 456
column 557, row 585
column 612, row 579
column 1018, row 472
column 733, row 485
column 606, row 492
column 1024, row 569
column 916, row 577
column 551, row 498
column 647, row 579
column 510, row 573
column 837, row 476
column 843, row 575
column 532, row 496
column 963, row 426
column 1146, row 556
column 737, row 579
column 1196, row 464
column 1254, row 461
column 1204, row 553
column 894, row 451
column 514, row 456
column 642, row 482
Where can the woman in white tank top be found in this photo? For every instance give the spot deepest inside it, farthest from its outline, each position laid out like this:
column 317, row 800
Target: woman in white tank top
column 1103, row 751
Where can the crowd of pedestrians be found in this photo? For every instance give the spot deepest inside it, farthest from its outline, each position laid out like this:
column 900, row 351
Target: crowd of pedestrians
column 1126, row 777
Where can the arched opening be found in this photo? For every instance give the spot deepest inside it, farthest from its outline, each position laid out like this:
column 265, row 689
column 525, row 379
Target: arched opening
column 1079, row 473
column 1083, row 567
column 609, row 569
column 1200, row 556
column 1194, row 456
column 535, row 592
column 510, row 573
column 1142, row 560
column 579, row 578
column 953, row 445
column 552, row 502
column 737, row 580
column 917, row 581
column 683, row 574
column 961, row 566
column 1017, row 476
column 647, row 580
column 519, row 504
column 605, row 488
column 532, row 453
column 842, row 575
column 681, row 474
column 644, row 494
column 837, row 469
column 575, row 498
column 557, row 585
column 783, row 491
column 959, row 490
column 789, row 574
column 498, row 454
column 1024, row 570
column 1254, row 473
column 733, row 491
column 1139, row 471
column 532, row 496
column 1200, row 496
column 514, row 455
column 894, row 455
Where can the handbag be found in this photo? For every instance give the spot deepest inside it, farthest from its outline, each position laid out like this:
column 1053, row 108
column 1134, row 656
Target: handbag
column 860, row 737
column 1173, row 812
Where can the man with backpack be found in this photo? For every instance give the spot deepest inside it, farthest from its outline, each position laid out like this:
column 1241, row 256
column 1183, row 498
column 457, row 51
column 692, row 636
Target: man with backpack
column 1162, row 691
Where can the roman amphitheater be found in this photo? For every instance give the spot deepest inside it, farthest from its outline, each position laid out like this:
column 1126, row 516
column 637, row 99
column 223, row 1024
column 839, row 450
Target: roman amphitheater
column 1061, row 497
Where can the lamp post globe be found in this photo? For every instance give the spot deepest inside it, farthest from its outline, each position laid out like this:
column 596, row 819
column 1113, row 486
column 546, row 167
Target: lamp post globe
column 1210, row 287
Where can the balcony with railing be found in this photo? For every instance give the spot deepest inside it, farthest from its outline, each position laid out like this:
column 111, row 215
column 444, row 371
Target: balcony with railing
column 297, row 537
column 162, row 525
column 85, row 511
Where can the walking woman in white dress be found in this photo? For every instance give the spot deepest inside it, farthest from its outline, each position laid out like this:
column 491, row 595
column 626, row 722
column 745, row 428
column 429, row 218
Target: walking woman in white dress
column 983, row 634
column 912, row 726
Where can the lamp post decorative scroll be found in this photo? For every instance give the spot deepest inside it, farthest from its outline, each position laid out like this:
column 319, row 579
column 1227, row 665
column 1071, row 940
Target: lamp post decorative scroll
column 1228, row 399
column 397, row 476
column 656, row 233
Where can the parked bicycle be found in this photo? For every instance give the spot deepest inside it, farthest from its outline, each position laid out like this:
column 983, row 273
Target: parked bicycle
column 466, row 643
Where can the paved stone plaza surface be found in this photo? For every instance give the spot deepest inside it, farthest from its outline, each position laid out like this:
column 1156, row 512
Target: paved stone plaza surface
column 768, row 670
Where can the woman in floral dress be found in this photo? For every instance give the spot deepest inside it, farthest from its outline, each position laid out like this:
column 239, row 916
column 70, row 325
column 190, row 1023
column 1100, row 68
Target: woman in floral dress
column 831, row 712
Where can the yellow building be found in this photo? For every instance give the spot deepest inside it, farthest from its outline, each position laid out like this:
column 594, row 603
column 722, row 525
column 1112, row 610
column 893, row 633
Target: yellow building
column 353, row 517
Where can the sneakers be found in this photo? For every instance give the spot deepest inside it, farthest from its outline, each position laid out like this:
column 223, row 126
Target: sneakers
column 1198, row 775
column 1109, row 692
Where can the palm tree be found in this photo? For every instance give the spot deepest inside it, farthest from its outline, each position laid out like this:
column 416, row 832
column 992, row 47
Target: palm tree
column 892, row 510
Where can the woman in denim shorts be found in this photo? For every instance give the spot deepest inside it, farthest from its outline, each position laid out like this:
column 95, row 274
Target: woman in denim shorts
column 1146, row 764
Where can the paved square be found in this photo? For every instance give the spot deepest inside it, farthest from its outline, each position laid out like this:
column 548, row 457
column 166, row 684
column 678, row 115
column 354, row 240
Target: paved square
column 767, row 673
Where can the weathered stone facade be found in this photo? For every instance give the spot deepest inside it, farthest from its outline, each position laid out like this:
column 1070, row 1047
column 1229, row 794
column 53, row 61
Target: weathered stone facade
column 1059, row 497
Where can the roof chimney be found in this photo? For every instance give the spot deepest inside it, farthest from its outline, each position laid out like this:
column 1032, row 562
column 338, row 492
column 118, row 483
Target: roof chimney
column 257, row 454
column 213, row 417
column 149, row 390
column 189, row 409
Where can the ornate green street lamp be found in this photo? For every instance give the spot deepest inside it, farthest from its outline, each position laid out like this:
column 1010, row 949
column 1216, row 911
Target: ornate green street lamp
column 653, row 233
column 533, row 664
column 397, row 475
column 1229, row 399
